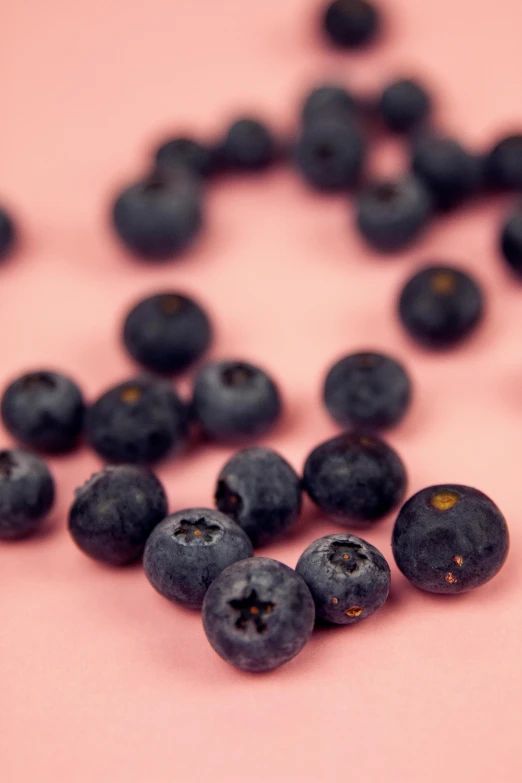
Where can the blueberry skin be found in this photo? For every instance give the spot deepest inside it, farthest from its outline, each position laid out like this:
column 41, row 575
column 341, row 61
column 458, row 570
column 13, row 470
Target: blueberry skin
column 450, row 538
column 440, row 306
column 186, row 152
column 367, row 390
column 160, row 216
column 450, row 172
column 115, row 511
column 138, row 421
column 261, row 492
column 248, row 146
column 167, row 332
column 187, row 551
column 26, row 493
column 328, row 100
column 349, row 578
column 233, row 400
column 404, row 105
column 7, row 233
column 350, row 24
column 392, row 214
column 355, row 478
column 258, row 614
column 329, row 153
column 44, row 410
column 503, row 164
column 511, row 242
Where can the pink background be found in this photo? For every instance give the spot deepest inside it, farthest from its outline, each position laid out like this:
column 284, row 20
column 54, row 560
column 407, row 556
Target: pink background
column 100, row 678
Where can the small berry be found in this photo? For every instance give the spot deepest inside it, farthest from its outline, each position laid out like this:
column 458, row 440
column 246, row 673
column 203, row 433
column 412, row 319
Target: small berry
column 440, row 306
column 503, row 164
column 7, row 233
column 449, row 539
column 115, row 511
column 158, row 217
column 355, row 478
column 261, row 492
column 138, row 421
column 258, row 614
column 44, row 410
column 367, row 390
column 349, row 578
column 167, row 332
column 391, row 214
column 186, row 552
column 185, row 152
column 511, row 241
column 404, row 105
column 235, row 400
column 248, row 146
column 351, row 23
column 26, row 493
column 450, row 172
column 329, row 153
column 328, row 100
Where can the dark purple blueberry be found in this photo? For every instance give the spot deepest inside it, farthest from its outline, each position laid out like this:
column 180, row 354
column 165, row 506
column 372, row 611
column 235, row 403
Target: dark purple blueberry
column 511, row 241
column 330, row 152
column 188, row 550
column 183, row 151
column 355, row 478
column 503, row 163
column 449, row 539
column 248, row 146
column 349, row 578
column 261, row 492
column 115, row 511
column 138, row 421
column 450, row 172
column 367, row 390
column 26, row 493
column 7, row 233
column 167, row 332
column 404, row 105
column 328, row 100
column 258, row 614
column 44, row 410
column 440, row 306
column 350, row 24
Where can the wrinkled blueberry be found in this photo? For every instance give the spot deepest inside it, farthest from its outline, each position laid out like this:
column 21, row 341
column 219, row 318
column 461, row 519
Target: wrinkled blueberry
column 258, row 614
column 7, row 233
column 26, row 493
column 186, row 552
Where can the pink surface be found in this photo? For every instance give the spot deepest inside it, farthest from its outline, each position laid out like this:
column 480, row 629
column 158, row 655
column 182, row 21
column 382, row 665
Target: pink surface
column 100, row 678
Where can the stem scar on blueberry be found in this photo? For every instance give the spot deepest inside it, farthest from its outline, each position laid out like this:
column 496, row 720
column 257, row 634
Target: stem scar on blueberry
column 458, row 560
column 335, row 600
column 354, row 611
column 366, row 361
column 228, row 501
column 130, row 394
column 237, row 375
column 199, row 529
column 443, row 501
column 38, row 380
column 443, row 282
column 386, row 192
column 252, row 610
column 450, row 578
column 170, row 304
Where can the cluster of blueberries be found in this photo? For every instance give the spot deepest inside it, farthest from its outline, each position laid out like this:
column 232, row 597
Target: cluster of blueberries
column 257, row 612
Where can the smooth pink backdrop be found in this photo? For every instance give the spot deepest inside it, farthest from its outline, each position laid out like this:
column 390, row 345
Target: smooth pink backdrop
column 100, row 678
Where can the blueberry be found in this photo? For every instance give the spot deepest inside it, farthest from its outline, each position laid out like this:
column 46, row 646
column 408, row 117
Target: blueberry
column 186, row 552
column 328, row 100
column 234, row 400
column 115, row 511
column 503, row 164
column 404, row 105
column 248, row 146
column 511, row 241
column 44, row 410
column 450, row 172
column 367, row 390
column 7, row 233
column 26, row 493
column 440, row 306
column 449, row 539
column 355, row 478
column 167, row 332
column 391, row 214
column 159, row 216
column 185, row 152
column 351, row 23
column 261, row 492
column 258, row 614
column 137, row 421
column 329, row 153
column 349, row 578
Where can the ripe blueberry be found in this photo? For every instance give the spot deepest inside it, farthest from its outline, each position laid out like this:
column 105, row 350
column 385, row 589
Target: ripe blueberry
column 328, row 100
column 351, row 23
column 248, row 146
column 26, row 493
column 404, row 105
column 450, row 172
column 511, row 241
column 184, row 152
column 329, row 153
column 503, row 164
